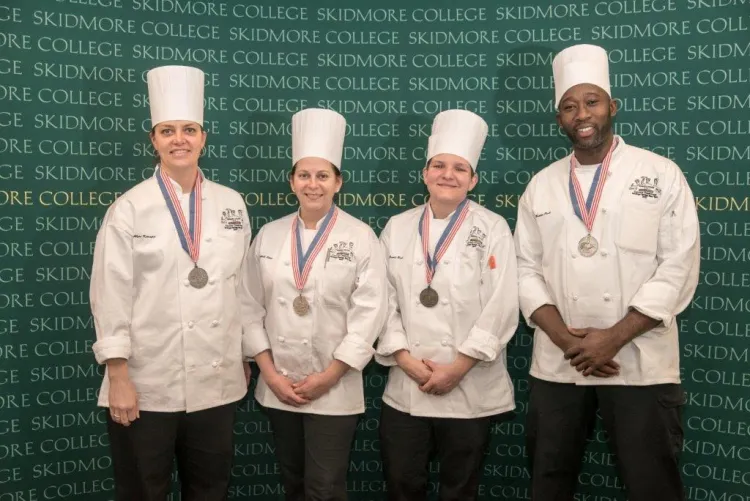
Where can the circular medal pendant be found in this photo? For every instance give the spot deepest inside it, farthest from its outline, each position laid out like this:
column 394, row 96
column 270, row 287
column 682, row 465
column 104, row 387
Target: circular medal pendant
column 588, row 246
column 300, row 306
column 198, row 277
column 428, row 297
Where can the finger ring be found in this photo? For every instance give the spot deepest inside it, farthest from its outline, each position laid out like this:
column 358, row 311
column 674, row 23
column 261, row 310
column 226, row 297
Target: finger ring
column 116, row 416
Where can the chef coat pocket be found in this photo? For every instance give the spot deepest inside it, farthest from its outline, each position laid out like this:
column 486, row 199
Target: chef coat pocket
column 230, row 249
column 467, row 273
column 337, row 283
column 550, row 224
column 639, row 228
column 148, row 253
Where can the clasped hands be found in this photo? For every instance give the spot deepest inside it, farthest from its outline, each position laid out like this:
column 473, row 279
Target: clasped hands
column 591, row 351
column 308, row 389
column 434, row 378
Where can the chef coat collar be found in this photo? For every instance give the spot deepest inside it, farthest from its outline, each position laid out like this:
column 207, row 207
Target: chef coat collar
column 432, row 215
column 177, row 185
column 317, row 223
column 615, row 154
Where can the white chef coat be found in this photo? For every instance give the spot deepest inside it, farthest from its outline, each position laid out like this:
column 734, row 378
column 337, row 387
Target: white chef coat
column 477, row 313
column 183, row 345
column 648, row 259
column 347, row 295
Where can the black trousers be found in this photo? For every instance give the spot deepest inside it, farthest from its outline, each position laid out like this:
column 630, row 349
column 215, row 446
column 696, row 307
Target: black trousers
column 313, row 453
column 644, row 424
column 407, row 442
column 143, row 454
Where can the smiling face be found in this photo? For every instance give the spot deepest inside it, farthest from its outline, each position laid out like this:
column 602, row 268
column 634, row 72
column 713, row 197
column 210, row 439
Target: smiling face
column 179, row 144
column 585, row 114
column 315, row 181
column 449, row 178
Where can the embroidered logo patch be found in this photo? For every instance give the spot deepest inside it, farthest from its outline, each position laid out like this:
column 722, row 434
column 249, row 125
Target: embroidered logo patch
column 231, row 219
column 645, row 187
column 476, row 238
column 342, row 251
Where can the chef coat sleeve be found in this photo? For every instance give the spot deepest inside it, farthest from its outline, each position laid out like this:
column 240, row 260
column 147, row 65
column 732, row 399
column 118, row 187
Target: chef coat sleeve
column 367, row 307
column 532, row 288
column 111, row 286
column 393, row 338
column 498, row 320
column 252, row 302
column 671, row 287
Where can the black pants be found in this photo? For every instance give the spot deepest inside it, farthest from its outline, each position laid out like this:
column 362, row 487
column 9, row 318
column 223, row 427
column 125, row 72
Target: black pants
column 313, row 453
column 644, row 426
column 143, row 454
column 407, row 442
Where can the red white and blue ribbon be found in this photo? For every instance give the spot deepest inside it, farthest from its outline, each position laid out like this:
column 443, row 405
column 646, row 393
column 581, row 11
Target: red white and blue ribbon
column 190, row 236
column 459, row 215
column 302, row 263
column 586, row 209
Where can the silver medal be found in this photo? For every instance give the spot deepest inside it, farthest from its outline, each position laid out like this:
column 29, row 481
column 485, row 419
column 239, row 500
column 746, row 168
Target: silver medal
column 198, row 277
column 588, row 246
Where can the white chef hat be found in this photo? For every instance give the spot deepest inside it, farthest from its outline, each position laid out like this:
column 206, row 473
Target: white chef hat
column 580, row 64
column 175, row 93
column 318, row 132
column 458, row 132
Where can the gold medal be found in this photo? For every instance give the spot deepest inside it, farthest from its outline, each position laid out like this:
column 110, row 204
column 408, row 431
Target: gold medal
column 429, row 297
column 301, row 306
column 588, row 246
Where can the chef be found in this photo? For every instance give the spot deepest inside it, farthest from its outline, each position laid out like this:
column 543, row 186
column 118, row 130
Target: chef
column 453, row 307
column 608, row 254
column 317, row 278
column 164, row 296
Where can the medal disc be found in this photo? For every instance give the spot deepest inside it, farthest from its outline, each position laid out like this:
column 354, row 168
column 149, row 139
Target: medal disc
column 428, row 297
column 301, row 306
column 198, row 277
column 588, row 246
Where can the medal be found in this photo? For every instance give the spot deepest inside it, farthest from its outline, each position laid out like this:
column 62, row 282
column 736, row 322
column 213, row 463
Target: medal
column 198, row 277
column 190, row 237
column 429, row 296
column 588, row 246
column 586, row 209
column 301, row 306
column 302, row 263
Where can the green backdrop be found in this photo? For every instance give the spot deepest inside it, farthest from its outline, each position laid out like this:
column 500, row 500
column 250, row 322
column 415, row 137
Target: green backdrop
column 73, row 135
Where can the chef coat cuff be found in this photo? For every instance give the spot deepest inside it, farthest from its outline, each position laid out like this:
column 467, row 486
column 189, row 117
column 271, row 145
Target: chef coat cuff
column 481, row 345
column 354, row 352
column 111, row 347
column 254, row 343
column 389, row 344
column 666, row 319
column 532, row 296
column 653, row 300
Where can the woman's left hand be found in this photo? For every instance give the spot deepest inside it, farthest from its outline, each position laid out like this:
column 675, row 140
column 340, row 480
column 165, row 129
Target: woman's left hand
column 314, row 386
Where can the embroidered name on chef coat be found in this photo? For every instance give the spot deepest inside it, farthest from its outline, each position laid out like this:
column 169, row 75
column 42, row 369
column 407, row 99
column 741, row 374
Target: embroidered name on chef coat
column 342, row 251
column 231, row 219
column 645, row 187
column 476, row 238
